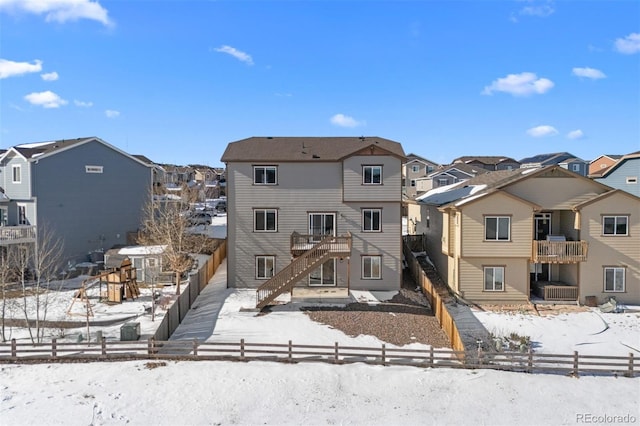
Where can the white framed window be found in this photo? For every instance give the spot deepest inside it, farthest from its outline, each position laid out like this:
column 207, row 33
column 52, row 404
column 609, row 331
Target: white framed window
column 494, row 278
column 372, row 175
column 575, row 167
column 265, row 175
column 614, row 279
column 371, row 220
column 632, row 179
column 22, row 214
column 371, row 267
column 265, row 265
column 16, row 174
column 415, row 168
column 615, row 225
column 265, row 220
column 413, row 183
column 497, row 228
column 93, row 169
column 443, row 181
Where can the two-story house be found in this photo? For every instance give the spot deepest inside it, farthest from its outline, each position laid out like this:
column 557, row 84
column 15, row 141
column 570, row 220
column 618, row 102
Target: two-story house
column 313, row 212
column 598, row 165
column 563, row 159
column 623, row 174
column 85, row 192
column 414, row 168
column 488, row 162
column 548, row 233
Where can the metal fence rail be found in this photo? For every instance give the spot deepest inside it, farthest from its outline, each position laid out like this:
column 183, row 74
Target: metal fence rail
column 531, row 362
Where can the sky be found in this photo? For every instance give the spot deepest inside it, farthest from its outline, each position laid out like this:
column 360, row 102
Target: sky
column 177, row 81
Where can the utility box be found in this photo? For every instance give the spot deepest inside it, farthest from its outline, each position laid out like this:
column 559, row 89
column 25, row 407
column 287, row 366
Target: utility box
column 130, row 331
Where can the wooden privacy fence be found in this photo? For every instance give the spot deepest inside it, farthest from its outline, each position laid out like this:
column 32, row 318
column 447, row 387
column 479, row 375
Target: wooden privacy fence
column 574, row 364
column 435, row 299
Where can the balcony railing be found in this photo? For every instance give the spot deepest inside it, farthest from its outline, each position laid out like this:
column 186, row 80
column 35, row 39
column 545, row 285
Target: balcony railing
column 560, row 293
column 17, row 234
column 339, row 246
column 559, row 251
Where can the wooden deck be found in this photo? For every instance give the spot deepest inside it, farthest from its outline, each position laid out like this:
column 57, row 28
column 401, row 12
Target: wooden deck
column 559, row 251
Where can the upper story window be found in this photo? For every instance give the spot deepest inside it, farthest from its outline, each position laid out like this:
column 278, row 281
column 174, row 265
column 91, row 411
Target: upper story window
column 371, row 220
column 265, row 175
column 614, row 279
column 497, row 228
column 615, row 225
column 372, row 175
column 413, row 182
column 265, row 220
column 575, row 167
column 17, row 175
column 415, row 168
column 443, row 181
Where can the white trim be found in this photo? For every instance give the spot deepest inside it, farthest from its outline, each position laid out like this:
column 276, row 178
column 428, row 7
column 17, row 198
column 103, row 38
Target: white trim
column 257, row 270
column 15, row 167
column 265, row 210
column 371, row 267
column 484, row 278
column 615, row 270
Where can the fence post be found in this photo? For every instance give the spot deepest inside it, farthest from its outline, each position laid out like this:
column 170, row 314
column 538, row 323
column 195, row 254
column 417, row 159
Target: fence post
column 14, row 349
column 150, row 344
column 195, row 348
column 530, row 361
column 630, row 373
column 384, row 354
column 575, row 363
column 103, row 344
column 430, row 356
column 290, row 352
column 54, row 348
column 242, row 349
column 336, row 357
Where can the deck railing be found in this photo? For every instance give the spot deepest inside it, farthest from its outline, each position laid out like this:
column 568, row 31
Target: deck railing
column 312, row 258
column 560, row 293
column 17, row 234
column 559, row 251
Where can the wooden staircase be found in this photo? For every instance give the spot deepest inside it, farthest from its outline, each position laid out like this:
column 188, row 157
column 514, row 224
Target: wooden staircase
column 284, row 280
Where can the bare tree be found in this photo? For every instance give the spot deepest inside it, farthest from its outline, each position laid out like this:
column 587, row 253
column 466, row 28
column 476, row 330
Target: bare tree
column 7, row 278
column 166, row 223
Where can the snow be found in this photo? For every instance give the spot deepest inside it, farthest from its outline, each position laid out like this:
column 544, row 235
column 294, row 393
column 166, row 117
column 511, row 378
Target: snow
column 142, row 250
column 256, row 392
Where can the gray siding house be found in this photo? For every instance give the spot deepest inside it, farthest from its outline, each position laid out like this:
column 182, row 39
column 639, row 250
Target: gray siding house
column 623, row 174
column 314, row 212
column 85, row 192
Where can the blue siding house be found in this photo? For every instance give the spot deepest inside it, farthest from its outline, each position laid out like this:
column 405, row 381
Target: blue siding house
column 623, row 174
column 85, row 192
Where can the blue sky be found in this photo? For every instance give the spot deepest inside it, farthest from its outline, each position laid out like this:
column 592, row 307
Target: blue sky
column 178, row 80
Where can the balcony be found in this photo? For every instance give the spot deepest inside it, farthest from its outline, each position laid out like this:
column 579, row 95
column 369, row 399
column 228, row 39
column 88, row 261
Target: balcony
column 17, row 234
column 339, row 246
column 559, row 251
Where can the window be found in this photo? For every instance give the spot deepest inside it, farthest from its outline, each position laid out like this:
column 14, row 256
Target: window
column 372, row 175
column 93, row 169
column 265, row 265
column 614, row 279
column 371, row 220
column 265, row 220
column 494, row 278
column 265, row 175
column 22, row 214
column 496, row 228
column 443, row 181
column 371, row 267
column 413, row 182
column 415, row 168
column 17, row 178
column 575, row 167
column 632, row 179
column 429, row 169
column 615, row 225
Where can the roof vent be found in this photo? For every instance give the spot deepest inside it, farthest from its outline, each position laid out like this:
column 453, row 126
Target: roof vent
column 315, row 156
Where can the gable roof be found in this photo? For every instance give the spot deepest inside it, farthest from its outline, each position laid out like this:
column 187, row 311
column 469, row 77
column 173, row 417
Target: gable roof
column 461, row 168
column 620, row 162
column 609, row 156
column 484, row 159
column 39, row 150
column 414, row 157
column 268, row 149
column 550, row 159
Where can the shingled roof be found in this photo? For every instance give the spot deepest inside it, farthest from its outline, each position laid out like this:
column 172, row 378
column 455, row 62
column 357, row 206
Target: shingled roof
column 284, row 149
column 30, row 150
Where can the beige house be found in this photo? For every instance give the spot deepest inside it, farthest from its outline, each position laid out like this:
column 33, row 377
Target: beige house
column 314, row 212
column 548, row 233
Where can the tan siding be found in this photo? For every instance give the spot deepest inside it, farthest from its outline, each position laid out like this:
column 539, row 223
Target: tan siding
column 516, row 280
column 617, row 251
column 497, row 204
column 390, row 190
column 445, row 232
column 549, row 192
column 453, row 233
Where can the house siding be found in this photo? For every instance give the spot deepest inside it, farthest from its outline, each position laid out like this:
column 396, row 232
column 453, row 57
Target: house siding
column 355, row 190
column 552, row 191
column 617, row 251
column 516, row 284
column 16, row 191
column 305, row 188
column 618, row 177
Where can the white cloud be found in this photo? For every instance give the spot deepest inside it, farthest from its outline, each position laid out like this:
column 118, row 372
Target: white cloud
column 588, row 73
column 50, row 76
column 239, row 55
column 342, row 120
column 541, row 11
column 46, row 99
column 540, row 131
column 82, row 103
column 575, row 134
column 60, row 10
column 11, row 68
column 110, row 113
column 523, row 84
column 628, row 45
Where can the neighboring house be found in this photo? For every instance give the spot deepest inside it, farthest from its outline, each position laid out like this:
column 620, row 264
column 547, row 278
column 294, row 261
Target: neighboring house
column 158, row 173
column 414, row 168
column 624, row 174
column 85, row 192
column 332, row 204
column 487, row 162
column 510, row 236
column 147, row 260
column 563, row 159
column 447, row 175
column 600, row 164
